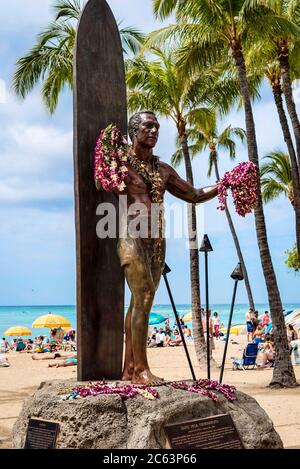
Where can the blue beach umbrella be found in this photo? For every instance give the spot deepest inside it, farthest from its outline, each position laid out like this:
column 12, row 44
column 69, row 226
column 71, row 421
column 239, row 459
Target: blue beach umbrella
column 156, row 318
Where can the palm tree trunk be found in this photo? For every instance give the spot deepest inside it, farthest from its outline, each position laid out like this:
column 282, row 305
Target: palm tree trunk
column 237, row 244
column 277, row 93
column 283, row 55
column 199, row 340
column 283, row 374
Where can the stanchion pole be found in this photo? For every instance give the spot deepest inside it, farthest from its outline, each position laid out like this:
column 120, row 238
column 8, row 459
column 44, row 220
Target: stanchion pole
column 165, row 272
column 236, row 275
column 206, row 247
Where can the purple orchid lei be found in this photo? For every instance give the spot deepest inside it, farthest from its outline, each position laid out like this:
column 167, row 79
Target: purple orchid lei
column 125, row 391
column 243, row 182
column 204, row 387
column 110, row 159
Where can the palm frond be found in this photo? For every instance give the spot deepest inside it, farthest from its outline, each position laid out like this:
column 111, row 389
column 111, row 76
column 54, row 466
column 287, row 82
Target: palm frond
column 177, row 158
column 276, row 175
column 163, row 8
column 271, row 189
column 132, row 39
column 68, row 9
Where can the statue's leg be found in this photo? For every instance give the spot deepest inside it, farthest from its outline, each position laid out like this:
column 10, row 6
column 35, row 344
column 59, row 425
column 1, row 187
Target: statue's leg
column 128, row 363
column 140, row 281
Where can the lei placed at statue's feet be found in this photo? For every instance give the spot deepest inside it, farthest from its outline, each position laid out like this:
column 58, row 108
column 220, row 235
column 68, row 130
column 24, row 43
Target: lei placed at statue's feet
column 204, row 387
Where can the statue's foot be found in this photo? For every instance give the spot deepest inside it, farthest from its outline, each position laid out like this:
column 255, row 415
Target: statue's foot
column 147, row 378
column 127, row 373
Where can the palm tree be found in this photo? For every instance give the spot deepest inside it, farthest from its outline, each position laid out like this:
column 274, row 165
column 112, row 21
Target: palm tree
column 276, row 180
column 264, row 58
column 51, row 59
column 205, row 135
column 158, row 86
column 276, row 177
column 209, row 31
column 287, row 45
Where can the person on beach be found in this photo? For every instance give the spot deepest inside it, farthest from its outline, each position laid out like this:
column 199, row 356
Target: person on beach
column 291, row 333
column 4, row 347
column 176, row 341
column 71, row 361
column 160, row 338
column 52, row 356
column 265, row 321
column 258, row 335
column 217, row 323
column 187, row 332
column 249, row 324
column 168, row 330
column 152, row 339
column 268, row 352
column 255, row 321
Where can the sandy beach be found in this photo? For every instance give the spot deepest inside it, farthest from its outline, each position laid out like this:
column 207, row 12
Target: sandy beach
column 22, row 378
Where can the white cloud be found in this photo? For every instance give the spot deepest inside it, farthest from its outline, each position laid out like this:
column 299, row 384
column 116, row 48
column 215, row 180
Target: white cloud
column 13, row 190
column 36, row 155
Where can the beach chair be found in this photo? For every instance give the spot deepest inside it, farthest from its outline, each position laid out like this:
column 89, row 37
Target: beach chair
column 248, row 360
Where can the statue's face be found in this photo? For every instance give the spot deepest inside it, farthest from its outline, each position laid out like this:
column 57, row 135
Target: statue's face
column 147, row 134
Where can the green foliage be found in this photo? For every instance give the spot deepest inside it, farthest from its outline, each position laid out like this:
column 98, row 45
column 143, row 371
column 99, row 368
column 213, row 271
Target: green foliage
column 204, row 134
column 51, row 59
column 276, row 177
column 209, row 30
column 292, row 261
column 156, row 83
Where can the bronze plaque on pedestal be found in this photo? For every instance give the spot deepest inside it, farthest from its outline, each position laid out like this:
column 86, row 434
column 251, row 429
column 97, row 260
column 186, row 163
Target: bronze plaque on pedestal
column 41, row 434
column 217, row 432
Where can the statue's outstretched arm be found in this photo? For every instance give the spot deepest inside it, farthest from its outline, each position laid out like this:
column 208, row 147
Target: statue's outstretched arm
column 185, row 191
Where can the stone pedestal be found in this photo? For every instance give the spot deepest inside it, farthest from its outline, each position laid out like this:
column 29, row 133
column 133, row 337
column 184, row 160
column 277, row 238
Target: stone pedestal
column 108, row 422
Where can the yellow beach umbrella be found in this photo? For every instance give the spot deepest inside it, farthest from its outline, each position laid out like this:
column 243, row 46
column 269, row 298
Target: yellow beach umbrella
column 17, row 330
column 51, row 320
column 187, row 317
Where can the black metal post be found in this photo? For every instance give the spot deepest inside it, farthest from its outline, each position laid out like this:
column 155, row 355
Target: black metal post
column 236, row 275
column 206, row 247
column 207, row 316
column 165, row 272
column 228, row 331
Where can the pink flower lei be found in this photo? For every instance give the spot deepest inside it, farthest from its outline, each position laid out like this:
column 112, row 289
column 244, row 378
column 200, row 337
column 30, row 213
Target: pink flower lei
column 242, row 181
column 110, row 159
column 126, row 391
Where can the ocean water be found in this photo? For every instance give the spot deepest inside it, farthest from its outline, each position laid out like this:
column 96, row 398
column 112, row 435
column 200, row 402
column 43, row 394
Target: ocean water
column 25, row 315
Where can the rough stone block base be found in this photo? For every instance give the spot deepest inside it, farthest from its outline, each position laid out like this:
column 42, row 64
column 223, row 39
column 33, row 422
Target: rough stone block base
column 108, row 422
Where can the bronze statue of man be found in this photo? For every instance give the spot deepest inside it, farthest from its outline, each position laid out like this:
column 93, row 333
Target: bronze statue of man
column 143, row 257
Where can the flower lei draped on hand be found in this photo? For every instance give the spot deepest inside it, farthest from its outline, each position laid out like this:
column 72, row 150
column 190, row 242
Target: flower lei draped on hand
column 243, row 182
column 110, row 159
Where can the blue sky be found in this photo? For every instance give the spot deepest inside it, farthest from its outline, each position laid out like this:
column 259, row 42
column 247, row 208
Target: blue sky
column 37, row 236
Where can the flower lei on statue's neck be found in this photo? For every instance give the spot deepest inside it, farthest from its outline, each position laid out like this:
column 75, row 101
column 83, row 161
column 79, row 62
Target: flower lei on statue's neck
column 110, row 168
column 112, row 157
column 151, row 177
